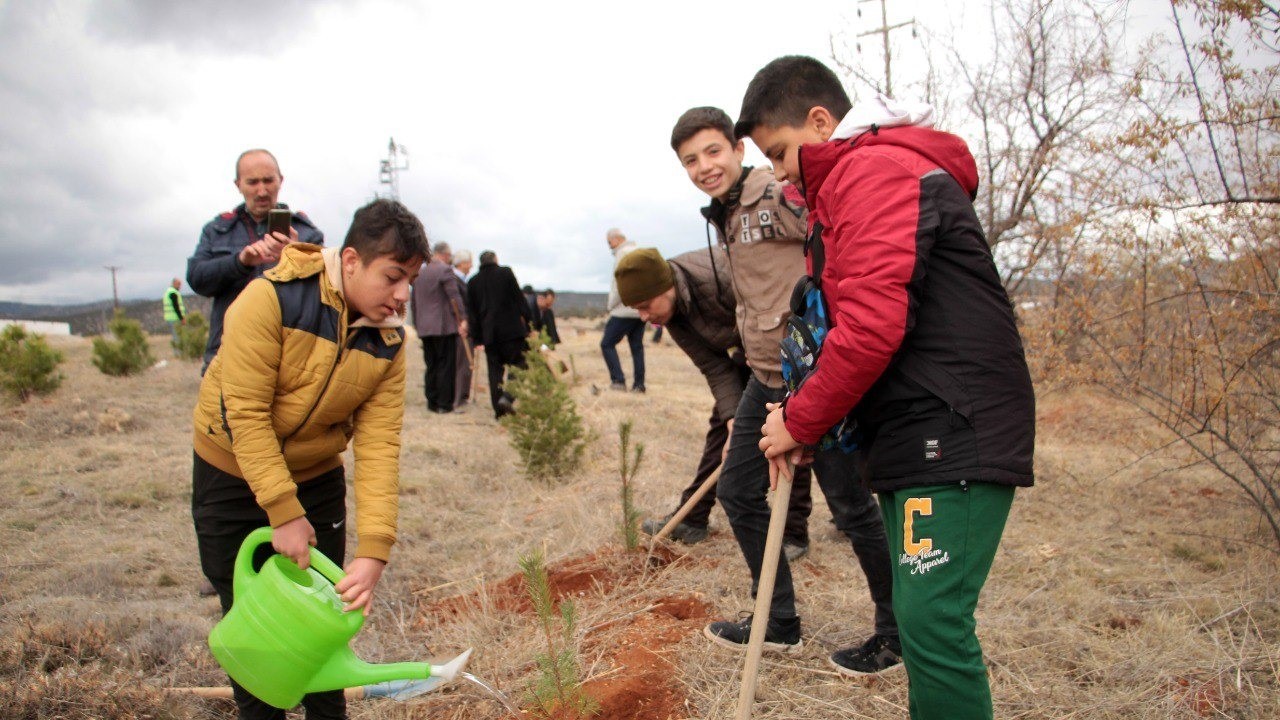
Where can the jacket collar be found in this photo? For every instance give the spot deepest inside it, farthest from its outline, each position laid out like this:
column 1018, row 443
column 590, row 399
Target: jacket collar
column 947, row 151
column 718, row 211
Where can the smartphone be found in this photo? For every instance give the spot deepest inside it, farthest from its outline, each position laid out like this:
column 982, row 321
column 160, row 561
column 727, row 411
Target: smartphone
column 278, row 221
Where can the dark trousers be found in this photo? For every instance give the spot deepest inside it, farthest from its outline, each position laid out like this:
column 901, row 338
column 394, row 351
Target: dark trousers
column 225, row 512
column 797, row 530
column 462, row 376
column 498, row 356
column 742, row 490
column 440, row 352
column 632, row 329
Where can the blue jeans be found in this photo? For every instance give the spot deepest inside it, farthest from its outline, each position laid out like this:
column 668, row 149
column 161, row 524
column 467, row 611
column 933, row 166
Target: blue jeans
column 614, row 330
column 742, row 489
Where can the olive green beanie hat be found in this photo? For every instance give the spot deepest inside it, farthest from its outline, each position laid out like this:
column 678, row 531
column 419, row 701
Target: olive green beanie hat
column 642, row 275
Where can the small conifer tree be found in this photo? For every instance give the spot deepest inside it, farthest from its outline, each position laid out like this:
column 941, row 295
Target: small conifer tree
column 28, row 366
column 545, row 429
column 193, row 335
column 129, row 353
column 557, row 691
column 627, row 468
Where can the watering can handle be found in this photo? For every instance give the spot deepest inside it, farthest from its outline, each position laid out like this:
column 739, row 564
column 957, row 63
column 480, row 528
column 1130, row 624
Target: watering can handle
column 262, row 536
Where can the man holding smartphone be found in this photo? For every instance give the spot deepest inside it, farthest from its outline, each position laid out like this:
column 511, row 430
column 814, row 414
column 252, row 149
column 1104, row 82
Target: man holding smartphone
column 238, row 245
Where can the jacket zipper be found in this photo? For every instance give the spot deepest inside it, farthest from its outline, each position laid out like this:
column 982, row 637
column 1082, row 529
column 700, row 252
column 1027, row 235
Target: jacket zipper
column 342, row 349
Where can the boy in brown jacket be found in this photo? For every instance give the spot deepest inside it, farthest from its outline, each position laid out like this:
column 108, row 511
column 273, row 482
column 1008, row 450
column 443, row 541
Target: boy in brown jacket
column 312, row 360
column 761, row 224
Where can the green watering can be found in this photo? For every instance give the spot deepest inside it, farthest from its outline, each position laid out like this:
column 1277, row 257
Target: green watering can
column 286, row 634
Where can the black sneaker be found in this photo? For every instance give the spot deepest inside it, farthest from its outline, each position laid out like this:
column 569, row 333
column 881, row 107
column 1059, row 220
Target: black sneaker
column 781, row 636
column 794, row 551
column 684, row 532
column 878, row 654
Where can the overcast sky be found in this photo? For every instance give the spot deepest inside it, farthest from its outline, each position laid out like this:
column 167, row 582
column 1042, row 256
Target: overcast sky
column 531, row 127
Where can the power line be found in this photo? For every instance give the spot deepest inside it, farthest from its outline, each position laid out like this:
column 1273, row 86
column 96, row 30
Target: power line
column 883, row 32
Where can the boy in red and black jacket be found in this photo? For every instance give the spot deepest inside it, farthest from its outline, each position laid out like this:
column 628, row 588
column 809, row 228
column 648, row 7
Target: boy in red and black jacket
column 923, row 350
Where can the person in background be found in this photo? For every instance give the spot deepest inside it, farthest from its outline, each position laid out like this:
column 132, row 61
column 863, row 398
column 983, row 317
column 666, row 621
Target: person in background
column 544, row 315
column 623, row 322
column 235, row 247
column 175, row 312
column 438, row 318
column 500, row 319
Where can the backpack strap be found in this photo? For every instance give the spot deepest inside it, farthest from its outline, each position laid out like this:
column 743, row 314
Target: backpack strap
column 813, row 245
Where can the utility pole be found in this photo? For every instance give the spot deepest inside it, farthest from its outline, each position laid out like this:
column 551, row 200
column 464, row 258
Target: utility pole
column 391, row 166
column 883, row 32
column 115, row 297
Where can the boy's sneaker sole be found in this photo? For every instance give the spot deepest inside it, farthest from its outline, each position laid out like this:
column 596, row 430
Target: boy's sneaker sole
column 850, row 672
column 774, row 647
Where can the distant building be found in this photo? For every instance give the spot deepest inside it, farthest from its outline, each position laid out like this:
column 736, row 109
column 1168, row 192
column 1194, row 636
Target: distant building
column 39, row 326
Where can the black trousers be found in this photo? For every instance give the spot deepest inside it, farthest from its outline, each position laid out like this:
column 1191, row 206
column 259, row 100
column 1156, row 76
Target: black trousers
column 225, row 512
column 742, row 490
column 801, row 505
column 440, row 352
column 498, row 355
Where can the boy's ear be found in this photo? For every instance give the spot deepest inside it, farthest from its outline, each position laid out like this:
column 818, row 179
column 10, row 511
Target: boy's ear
column 740, row 147
column 821, row 122
column 350, row 259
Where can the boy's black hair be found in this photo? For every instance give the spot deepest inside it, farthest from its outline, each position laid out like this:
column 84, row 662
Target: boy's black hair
column 488, row 257
column 385, row 227
column 548, row 293
column 695, row 120
column 784, row 91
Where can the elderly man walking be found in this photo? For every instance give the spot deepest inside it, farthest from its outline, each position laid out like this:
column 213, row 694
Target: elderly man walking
column 623, row 322
column 438, row 316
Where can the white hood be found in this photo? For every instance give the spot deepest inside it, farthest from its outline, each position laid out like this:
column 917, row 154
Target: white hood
column 882, row 112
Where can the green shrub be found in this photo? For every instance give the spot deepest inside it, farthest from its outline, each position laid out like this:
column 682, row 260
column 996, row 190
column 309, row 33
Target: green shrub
column 193, row 336
column 545, row 429
column 27, row 364
column 129, row 353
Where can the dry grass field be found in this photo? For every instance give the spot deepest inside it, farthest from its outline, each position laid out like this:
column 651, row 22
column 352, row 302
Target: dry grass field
column 1126, row 587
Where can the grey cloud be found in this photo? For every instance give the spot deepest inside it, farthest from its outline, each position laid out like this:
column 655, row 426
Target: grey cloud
column 224, row 26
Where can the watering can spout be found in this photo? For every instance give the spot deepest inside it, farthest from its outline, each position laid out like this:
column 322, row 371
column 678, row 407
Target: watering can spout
column 450, row 670
column 345, row 670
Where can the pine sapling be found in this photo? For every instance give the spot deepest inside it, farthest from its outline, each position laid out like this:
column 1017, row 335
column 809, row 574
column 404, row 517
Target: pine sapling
column 545, row 429
column 193, row 335
column 557, row 691
column 129, row 353
column 28, row 366
column 628, row 466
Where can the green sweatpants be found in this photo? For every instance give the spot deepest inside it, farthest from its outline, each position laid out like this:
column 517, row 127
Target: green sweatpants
column 942, row 540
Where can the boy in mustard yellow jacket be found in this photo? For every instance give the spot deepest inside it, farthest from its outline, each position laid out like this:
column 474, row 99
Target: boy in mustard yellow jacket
column 312, row 359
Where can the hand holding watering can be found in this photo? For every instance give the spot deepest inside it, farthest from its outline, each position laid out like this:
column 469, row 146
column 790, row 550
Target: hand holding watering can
column 295, row 540
column 287, row 633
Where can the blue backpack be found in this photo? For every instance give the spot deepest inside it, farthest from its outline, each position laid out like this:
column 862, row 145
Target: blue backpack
column 802, row 344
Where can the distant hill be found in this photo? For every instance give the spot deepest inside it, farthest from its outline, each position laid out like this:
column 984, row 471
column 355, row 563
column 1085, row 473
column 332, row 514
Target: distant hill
column 92, row 318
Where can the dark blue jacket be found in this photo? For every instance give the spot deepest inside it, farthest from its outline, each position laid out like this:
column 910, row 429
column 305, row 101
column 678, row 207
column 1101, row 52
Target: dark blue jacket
column 214, row 270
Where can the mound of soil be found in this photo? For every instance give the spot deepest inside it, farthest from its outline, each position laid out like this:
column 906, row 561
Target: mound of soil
column 635, row 678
